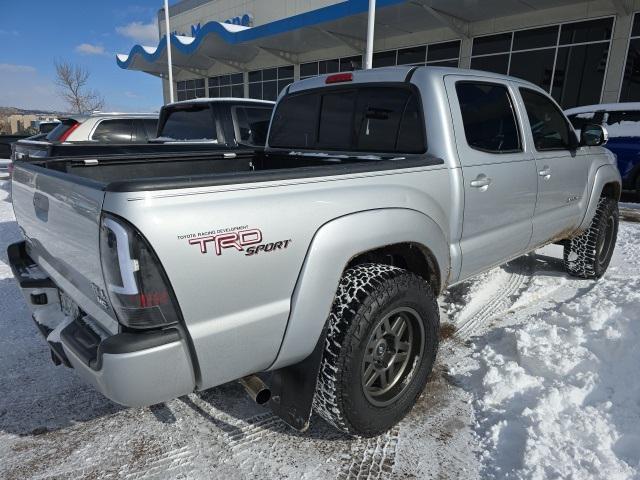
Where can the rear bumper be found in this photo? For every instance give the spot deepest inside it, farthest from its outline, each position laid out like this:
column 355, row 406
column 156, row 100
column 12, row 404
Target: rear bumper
column 133, row 369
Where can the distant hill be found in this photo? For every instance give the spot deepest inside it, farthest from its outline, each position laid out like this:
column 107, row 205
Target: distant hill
column 6, row 111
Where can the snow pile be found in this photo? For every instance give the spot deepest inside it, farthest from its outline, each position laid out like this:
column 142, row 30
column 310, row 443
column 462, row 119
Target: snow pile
column 559, row 395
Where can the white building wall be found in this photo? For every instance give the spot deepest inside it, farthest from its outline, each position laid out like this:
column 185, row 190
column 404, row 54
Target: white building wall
column 264, row 11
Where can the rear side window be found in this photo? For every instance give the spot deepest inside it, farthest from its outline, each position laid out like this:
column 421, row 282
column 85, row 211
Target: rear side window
column 113, row 131
column 385, row 119
column 549, row 127
column 252, row 124
column 488, row 116
column 58, row 132
column 189, row 122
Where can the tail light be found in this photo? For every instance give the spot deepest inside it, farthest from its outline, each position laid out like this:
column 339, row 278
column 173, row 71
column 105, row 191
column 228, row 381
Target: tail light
column 137, row 285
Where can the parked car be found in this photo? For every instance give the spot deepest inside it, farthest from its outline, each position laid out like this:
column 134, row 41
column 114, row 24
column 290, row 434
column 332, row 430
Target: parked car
column 319, row 260
column 97, row 128
column 622, row 122
column 183, row 127
column 46, row 127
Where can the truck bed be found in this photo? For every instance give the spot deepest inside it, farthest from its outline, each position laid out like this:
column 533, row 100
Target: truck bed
column 176, row 170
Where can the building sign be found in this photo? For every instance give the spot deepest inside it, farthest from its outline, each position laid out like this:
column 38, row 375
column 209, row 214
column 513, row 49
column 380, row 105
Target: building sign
column 245, row 20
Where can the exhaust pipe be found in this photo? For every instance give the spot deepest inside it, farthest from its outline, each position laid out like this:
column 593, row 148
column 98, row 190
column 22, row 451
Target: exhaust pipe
column 256, row 389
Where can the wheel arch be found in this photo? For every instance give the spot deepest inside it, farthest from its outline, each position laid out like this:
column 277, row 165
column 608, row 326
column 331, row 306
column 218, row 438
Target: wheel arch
column 607, row 182
column 403, row 234
column 411, row 256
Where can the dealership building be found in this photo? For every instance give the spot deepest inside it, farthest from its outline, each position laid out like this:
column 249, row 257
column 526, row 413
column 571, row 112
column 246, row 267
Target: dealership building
column 580, row 52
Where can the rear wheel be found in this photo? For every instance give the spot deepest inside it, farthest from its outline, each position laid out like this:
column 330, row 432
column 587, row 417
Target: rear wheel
column 381, row 345
column 588, row 255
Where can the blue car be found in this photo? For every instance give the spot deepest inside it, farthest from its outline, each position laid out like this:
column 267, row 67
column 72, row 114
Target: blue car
column 622, row 121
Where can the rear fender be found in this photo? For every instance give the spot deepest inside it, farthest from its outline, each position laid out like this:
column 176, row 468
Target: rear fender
column 331, row 249
column 296, row 368
column 606, row 174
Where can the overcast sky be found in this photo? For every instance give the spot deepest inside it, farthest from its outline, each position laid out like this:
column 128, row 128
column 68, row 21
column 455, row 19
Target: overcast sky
column 89, row 33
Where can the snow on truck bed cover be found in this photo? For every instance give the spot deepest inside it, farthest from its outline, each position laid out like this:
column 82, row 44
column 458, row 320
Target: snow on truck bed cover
column 540, row 380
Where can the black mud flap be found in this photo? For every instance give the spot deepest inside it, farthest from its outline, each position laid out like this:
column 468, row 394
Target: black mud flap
column 293, row 387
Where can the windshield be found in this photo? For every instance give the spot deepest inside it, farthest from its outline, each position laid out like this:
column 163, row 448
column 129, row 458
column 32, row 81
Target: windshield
column 189, row 122
column 382, row 119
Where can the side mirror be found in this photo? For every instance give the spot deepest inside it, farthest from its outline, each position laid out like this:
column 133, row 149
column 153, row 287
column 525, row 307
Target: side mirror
column 593, row 135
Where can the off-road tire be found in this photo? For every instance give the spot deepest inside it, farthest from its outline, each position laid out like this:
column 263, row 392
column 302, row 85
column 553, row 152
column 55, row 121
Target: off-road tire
column 366, row 295
column 588, row 255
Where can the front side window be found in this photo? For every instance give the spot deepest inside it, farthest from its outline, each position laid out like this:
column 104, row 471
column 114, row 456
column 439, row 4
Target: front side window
column 367, row 119
column 113, row 131
column 252, row 124
column 488, row 116
column 548, row 125
column 189, row 122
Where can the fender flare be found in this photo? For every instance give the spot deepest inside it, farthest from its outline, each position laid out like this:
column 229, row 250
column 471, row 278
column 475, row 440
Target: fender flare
column 604, row 175
column 331, row 249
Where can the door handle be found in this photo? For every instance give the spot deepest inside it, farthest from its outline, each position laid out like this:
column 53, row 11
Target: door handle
column 482, row 182
column 545, row 172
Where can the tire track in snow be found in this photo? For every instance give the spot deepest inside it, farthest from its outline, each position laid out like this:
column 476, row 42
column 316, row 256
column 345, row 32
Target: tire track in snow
column 370, row 458
column 166, row 465
column 468, row 324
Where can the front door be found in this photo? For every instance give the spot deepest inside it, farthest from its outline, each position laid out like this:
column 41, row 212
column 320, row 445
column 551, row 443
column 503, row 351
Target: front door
column 562, row 169
column 499, row 175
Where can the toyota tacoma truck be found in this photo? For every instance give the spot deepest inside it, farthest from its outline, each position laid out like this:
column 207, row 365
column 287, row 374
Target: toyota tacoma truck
column 310, row 270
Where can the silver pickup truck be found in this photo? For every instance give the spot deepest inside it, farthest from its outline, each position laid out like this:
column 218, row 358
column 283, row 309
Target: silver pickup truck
column 309, row 270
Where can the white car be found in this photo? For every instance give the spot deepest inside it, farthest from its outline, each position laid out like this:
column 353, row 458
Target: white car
column 106, row 128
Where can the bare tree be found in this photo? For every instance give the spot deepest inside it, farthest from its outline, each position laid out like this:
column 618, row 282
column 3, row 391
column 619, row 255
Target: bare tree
column 72, row 82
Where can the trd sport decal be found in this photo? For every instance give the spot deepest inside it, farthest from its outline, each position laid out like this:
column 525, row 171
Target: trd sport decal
column 248, row 240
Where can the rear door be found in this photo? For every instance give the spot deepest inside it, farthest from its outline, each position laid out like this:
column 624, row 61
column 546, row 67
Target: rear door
column 498, row 172
column 562, row 169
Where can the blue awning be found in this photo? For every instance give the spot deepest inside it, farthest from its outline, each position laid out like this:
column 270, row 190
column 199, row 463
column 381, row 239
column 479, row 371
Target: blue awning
column 323, row 28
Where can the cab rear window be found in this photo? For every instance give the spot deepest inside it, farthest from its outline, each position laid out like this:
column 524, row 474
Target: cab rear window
column 385, row 119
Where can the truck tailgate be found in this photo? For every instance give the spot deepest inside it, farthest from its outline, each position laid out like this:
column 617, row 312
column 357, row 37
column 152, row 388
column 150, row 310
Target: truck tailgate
column 59, row 216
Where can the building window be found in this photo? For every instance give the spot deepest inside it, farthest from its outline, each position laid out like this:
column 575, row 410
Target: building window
column 190, row 89
column 444, row 54
column 437, row 54
column 268, row 83
column 567, row 60
column 334, row 65
column 227, row 86
column 630, row 91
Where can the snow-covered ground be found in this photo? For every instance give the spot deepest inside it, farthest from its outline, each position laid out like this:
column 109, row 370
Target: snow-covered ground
column 540, row 380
